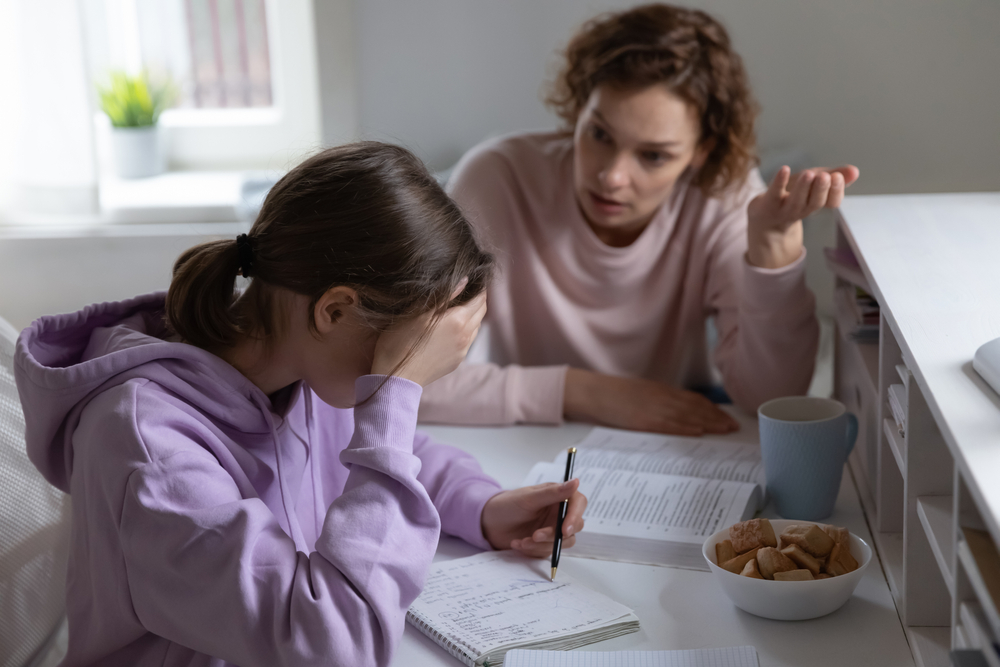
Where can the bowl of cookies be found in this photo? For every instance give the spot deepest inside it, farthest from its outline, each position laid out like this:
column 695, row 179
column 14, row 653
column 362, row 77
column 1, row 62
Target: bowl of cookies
column 787, row 570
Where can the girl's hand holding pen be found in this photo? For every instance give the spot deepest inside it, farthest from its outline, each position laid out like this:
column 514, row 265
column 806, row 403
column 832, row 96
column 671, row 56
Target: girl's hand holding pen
column 524, row 519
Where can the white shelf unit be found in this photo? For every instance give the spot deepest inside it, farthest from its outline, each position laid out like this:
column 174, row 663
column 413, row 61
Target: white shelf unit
column 940, row 561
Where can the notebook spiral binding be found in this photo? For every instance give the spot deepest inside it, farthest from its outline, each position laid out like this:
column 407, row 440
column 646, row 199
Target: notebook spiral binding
column 457, row 648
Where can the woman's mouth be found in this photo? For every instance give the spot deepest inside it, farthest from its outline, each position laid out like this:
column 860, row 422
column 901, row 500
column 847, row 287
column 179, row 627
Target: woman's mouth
column 606, row 205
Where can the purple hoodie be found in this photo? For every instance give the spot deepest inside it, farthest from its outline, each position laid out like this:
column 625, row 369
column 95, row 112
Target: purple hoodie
column 213, row 525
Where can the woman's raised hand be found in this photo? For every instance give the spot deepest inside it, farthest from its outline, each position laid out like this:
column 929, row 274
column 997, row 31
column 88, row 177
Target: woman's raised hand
column 641, row 405
column 775, row 216
column 525, row 519
column 442, row 349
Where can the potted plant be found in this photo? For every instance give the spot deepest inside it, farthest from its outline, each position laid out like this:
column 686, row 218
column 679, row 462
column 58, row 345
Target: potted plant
column 133, row 103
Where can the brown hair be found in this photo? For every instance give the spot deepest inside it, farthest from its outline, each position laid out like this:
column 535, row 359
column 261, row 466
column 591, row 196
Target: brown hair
column 687, row 50
column 366, row 215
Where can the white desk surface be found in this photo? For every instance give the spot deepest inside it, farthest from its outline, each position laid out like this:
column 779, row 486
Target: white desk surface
column 685, row 609
column 934, row 263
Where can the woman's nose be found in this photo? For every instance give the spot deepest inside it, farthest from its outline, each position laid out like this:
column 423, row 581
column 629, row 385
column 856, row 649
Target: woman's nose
column 615, row 173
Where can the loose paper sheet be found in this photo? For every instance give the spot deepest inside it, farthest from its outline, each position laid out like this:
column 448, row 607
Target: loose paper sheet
column 736, row 656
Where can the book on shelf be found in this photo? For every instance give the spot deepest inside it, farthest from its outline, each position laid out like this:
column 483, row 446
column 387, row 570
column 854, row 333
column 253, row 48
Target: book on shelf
column 843, row 264
column 479, row 608
column 897, row 405
column 857, row 313
column 654, row 499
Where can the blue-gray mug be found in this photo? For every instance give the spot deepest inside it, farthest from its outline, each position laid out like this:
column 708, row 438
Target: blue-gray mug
column 804, row 442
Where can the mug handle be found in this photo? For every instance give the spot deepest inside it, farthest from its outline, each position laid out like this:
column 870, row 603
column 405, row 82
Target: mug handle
column 852, row 432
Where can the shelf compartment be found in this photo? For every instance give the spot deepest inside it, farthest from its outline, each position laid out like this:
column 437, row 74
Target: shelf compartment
column 937, row 517
column 864, row 353
column 890, row 553
column 896, row 443
column 961, row 639
column 973, row 624
column 930, row 646
column 979, row 559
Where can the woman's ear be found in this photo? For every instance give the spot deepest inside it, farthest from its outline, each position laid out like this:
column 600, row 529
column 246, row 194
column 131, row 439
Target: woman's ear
column 702, row 152
column 331, row 308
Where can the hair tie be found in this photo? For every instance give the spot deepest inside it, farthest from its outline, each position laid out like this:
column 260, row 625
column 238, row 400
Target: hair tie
column 244, row 244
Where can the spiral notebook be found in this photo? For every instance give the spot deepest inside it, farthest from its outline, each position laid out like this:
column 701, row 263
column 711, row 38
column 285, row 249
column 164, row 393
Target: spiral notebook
column 480, row 607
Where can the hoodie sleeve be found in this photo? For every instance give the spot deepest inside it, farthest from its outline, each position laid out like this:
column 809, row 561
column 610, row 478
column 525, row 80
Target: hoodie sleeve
column 210, row 569
column 458, row 487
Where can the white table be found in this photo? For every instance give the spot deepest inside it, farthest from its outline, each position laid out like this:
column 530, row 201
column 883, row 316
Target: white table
column 684, row 609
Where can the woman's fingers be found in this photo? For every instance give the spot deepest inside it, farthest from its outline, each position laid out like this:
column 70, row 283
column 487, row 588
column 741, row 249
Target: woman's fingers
column 817, row 193
column 779, row 183
column 849, row 172
column 799, row 194
column 837, row 187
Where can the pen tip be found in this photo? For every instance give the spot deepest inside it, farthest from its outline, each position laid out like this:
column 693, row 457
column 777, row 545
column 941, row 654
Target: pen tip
column 554, row 573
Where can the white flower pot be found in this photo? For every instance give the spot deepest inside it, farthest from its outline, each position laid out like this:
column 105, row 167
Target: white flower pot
column 137, row 151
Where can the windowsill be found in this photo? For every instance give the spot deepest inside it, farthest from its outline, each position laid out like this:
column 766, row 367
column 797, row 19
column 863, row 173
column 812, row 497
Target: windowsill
column 151, row 206
column 177, row 196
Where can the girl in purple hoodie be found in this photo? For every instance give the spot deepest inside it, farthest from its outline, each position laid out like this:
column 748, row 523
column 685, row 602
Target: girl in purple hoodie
column 248, row 485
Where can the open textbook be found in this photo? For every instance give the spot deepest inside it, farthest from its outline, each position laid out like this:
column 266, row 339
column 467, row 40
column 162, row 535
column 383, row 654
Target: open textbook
column 656, row 498
column 480, row 607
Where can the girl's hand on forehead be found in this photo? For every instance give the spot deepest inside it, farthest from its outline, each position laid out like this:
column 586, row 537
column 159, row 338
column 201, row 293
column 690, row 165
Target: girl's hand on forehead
column 775, row 216
column 442, row 349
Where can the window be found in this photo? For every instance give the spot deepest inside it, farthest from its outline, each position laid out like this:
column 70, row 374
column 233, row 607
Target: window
column 246, row 72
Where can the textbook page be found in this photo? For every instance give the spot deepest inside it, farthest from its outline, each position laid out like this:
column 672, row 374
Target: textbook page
column 736, row 656
column 670, row 455
column 655, row 498
column 651, row 506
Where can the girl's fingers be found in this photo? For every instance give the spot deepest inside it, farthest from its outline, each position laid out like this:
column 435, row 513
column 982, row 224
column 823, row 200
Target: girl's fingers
column 573, row 523
column 539, row 549
column 460, row 288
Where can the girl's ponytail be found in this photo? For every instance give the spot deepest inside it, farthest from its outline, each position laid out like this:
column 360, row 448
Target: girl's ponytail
column 201, row 295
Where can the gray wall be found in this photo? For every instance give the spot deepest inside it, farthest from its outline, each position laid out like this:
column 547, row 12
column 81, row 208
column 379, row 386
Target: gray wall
column 906, row 89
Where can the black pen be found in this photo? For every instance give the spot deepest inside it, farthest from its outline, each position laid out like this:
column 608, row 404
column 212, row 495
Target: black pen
column 563, row 506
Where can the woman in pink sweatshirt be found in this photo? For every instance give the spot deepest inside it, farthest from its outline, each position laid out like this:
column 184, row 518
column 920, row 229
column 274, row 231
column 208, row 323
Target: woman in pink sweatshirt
column 248, row 485
column 618, row 238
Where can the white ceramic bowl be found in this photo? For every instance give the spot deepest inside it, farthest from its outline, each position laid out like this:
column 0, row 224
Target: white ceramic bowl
column 788, row 600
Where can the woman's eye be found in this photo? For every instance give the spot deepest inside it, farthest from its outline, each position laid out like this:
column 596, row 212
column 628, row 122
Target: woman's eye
column 600, row 135
column 655, row 157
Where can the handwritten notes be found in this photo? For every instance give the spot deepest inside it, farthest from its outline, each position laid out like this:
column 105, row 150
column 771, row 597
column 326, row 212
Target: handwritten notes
column 492, row 601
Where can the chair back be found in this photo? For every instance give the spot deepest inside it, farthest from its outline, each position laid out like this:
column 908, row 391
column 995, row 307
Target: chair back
column 34, row 532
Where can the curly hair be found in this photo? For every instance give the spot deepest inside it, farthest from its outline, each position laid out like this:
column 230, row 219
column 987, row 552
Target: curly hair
column 687, row 50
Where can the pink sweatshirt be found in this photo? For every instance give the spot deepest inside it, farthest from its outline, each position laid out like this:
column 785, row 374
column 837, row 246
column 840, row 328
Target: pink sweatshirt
column 564, row 298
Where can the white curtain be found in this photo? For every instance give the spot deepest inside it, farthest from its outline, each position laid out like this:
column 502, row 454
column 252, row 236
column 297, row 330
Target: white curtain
column 47, row 164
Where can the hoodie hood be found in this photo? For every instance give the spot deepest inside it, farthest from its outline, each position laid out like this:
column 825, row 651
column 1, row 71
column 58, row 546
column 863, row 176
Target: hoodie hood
column 64, row 361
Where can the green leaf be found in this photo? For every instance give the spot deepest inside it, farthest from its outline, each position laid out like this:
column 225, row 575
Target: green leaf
column 134, row 101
